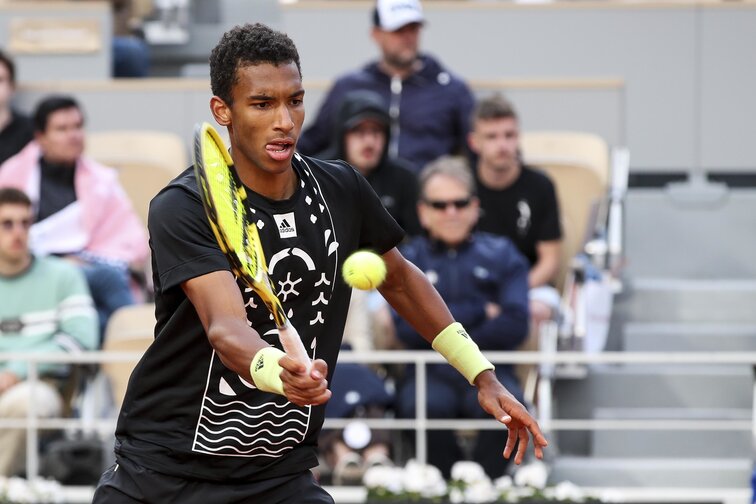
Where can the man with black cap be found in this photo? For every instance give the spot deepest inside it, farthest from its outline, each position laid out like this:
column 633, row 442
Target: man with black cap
column 361, row 137
column 429, row 106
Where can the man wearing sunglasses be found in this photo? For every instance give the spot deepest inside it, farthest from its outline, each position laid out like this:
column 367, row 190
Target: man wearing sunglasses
column 484, row 281
column 45, row 308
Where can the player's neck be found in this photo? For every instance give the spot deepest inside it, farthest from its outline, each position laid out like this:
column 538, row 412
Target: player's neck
column 497, row 178
column 274, row 186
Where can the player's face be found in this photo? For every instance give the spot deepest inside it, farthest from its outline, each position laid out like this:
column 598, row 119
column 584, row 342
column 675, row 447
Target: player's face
column 400, row 47
column 15, row 220
column 266, row 116
column 63, row 138
column 6, row 87
column 447, row 210
column 496, row 142
column 364, row 145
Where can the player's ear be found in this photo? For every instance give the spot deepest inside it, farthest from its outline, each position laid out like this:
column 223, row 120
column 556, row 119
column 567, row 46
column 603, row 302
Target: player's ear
column 221, row 111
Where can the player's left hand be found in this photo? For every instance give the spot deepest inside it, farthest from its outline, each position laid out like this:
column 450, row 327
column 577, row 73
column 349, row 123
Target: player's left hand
column 301, row 387
column 495, row 399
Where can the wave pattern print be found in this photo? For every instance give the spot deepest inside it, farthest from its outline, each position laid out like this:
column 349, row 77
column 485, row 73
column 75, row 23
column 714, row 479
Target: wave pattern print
column 239, row 421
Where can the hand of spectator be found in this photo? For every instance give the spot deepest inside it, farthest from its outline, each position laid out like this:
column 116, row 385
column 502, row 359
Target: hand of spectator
column 496, row 400
column 492, row 310
column 7, row 380
column 303, row 388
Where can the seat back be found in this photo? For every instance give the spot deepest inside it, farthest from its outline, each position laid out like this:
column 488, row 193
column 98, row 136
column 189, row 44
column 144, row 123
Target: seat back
column 578, row 164
column 146, row 161
column 130, row 329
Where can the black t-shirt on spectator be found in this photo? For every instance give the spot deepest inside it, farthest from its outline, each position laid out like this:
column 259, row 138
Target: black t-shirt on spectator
column 526, row 212
column 185, row 414
column 14, row 137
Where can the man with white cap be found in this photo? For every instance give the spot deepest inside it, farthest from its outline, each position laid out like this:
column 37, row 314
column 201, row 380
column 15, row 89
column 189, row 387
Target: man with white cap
column 429, row 106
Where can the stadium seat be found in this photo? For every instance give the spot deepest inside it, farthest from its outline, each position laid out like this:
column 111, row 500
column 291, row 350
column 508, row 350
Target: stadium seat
column 130, row 329
column 146, row 161
column 578, row 164
column 590, row 181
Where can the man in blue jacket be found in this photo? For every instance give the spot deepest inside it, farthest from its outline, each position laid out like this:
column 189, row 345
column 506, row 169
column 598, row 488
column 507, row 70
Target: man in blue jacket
column 429, row 106
column 484, row 281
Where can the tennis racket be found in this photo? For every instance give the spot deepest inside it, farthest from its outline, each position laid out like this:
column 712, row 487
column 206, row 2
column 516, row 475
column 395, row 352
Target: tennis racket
column 224, row 201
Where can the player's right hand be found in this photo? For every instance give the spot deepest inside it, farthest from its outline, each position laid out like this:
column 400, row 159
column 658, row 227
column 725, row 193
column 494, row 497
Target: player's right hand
column 303, row 388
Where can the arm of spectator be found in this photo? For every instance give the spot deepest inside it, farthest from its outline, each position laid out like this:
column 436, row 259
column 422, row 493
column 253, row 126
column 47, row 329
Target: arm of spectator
column 507, row 325
column 79, row 326
column 545, row 270
column 119, row 233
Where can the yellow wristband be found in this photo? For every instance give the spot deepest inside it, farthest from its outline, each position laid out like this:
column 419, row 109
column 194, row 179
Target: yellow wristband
column 461, row 351
column 266, row 371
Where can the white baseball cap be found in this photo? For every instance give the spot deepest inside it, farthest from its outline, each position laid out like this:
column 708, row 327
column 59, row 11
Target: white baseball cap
column 390, row 15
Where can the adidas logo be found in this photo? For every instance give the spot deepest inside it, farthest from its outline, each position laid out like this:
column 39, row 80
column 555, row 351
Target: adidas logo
column 286, row 224
column 260, row 364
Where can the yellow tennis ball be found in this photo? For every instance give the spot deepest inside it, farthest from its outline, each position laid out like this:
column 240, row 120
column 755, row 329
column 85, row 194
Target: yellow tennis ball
column 364, row 270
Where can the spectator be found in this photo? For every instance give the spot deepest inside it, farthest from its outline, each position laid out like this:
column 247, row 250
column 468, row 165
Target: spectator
column 45, row 308
column 15, row 129
column 483, row 280
column 517, row 201
column 361, row 137
column 429, row 106
column 82, row 213
column 131, row 54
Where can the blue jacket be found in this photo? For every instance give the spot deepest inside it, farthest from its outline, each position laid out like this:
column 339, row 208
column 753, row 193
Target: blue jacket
column 434, row 112
column 487, row 268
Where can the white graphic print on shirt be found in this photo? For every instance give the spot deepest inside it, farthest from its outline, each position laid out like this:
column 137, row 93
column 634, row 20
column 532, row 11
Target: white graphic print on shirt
column 236, row 419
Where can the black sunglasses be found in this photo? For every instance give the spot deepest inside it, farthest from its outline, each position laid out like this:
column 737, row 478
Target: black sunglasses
column 9, row 224
column 443, row 205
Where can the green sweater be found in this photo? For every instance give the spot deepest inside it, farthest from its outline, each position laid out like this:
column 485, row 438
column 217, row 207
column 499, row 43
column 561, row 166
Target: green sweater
column 46, row 308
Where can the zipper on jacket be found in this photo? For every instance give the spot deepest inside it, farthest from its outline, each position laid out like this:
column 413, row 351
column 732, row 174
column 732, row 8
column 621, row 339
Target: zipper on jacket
column 396, row 97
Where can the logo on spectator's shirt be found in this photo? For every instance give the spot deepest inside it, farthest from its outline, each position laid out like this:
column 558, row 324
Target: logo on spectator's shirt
column 523, row 220
column 287, row 226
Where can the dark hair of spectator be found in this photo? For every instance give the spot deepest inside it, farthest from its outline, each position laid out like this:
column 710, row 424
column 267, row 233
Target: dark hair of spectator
column 13, row 196
column 8, row 62
column 249, row 44
column 47, row 106
column 494, row 107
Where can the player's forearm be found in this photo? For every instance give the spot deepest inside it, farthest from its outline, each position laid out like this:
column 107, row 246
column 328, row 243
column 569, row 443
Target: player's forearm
column 235, row 343
column 413, row 297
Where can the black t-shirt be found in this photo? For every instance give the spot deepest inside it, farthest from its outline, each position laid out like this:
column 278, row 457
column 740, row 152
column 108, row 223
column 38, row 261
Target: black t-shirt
column 57, row 187
column 14, row 137
column 526, row 212
column 184, row 413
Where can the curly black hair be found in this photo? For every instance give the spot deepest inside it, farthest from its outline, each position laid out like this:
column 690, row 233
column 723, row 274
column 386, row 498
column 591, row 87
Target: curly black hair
column 248, row 44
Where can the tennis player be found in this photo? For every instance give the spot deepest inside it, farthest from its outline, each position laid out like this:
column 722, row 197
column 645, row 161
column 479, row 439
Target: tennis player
column 215, row 411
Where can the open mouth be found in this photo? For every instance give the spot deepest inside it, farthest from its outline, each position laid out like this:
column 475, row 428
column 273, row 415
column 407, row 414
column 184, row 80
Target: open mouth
column 280, row 149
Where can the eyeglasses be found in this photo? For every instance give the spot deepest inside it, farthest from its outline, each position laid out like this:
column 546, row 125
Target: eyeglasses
column 459, row 204
column 9, row 224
